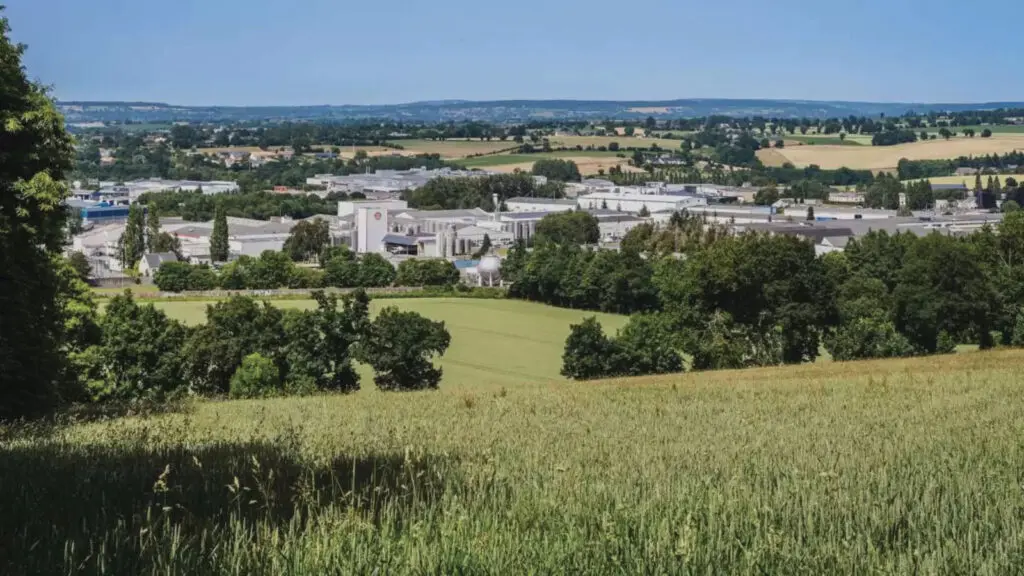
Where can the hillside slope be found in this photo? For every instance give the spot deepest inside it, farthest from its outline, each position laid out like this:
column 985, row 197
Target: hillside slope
column 898, row 467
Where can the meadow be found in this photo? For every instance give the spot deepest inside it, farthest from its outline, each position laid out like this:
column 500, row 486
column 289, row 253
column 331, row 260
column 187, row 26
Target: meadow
column 895, row 467
column 885, row 158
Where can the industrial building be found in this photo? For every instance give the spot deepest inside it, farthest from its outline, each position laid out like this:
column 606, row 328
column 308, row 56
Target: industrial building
column 387, row 183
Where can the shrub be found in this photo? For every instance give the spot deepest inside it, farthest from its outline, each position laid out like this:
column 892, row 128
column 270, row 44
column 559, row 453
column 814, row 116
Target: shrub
column 257, row 377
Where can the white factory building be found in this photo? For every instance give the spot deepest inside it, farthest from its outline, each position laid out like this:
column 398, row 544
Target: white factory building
column 629, row 200
column 520, row 204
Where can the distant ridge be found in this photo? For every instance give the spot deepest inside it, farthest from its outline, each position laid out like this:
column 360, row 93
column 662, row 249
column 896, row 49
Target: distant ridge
column 501, row 111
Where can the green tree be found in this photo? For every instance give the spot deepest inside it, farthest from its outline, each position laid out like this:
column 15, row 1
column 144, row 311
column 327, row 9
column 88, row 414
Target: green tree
column 766, row 196
column 942, row 288
column 810, row 213
column 342, row 269
column 1010, row 206
column 375, row 271
column 644, row 212
column 152, row 228
column 986, row 133
column 867, row 337
column 321, row 343
column 80, row 263
column 36, row 154
column 132, row 245
column 587, row 351
column 556, row 169
column 485, row 248
column 256, row 377
column 572, row 227
column 400, row 345
column 140, row 352
column 234, row 329
column 308, row 239
column 219, row 248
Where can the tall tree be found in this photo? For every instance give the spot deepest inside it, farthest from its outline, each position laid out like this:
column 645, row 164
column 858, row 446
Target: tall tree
column 35, row 153
column 152, row 228
column 219, row 237
column 132, row 245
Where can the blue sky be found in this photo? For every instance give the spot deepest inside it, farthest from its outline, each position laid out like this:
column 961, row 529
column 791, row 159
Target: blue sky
column 291, row 52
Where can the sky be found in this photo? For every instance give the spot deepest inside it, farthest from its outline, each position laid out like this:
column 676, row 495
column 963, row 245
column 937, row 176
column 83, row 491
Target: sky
column 308, row 52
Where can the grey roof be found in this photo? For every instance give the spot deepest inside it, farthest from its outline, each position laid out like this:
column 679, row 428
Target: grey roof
column 562, row 201
column 154, row 260
column 399, row 239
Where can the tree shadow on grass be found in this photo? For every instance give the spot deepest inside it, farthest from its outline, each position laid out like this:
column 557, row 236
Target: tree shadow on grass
column 78, row 508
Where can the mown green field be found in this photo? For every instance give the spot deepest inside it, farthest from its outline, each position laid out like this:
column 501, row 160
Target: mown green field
column 883, row 467
column 494, row 342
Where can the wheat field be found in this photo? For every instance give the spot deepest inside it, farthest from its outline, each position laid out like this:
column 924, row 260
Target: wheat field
column 885, row 158
column 883, row 467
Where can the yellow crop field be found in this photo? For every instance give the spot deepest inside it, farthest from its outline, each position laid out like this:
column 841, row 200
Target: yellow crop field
column 969, row 180
column 885, row 158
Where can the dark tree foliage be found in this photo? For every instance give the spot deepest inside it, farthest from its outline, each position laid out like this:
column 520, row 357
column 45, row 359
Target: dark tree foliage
column 219, row 248
column 182, row 277
column 942, row 288
column 400, row 345
column 568, row 276
column 307, row 240
column 643, row 347
column 376, row 272
column 234, row 329
column 140, row 354
column 427, row 272
column 556, row 169
column 762, row 282
column 464, row 193
column 572, row 227
column 35, row 154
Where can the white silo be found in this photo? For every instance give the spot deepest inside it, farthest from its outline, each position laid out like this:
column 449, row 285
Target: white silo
column 489, row 270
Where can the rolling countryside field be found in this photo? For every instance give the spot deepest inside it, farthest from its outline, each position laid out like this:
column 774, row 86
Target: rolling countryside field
column 895, row 467
column 885, row 158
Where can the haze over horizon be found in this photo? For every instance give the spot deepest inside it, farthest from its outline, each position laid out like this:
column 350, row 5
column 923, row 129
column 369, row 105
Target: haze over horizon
column 312, row 52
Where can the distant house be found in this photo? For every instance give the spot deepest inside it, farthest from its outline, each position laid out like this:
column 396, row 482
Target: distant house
column 965, row 171
column 151, row 262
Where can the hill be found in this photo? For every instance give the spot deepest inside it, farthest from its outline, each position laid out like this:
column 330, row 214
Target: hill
column 506, row 110
column 898, row 467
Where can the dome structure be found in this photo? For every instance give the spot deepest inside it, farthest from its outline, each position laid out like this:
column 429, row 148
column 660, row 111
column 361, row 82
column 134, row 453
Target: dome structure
column 489, row 265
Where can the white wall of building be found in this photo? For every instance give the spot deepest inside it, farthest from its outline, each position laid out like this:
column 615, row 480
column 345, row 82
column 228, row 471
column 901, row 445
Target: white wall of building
column 527, row 206
column 371, row 227
column 347, row 207
column 636, row 202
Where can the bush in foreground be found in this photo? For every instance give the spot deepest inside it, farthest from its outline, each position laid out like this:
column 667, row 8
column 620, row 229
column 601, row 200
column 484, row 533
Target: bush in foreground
column 257, row 377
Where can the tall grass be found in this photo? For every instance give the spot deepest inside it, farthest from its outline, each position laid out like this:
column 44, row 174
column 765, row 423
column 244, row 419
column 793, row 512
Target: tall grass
column 896, row 467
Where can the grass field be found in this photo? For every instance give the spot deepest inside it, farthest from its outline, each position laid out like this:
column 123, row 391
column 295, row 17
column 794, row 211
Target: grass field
column 885, row 158
column 453, row 149
column 885, row 467
column 494, row 342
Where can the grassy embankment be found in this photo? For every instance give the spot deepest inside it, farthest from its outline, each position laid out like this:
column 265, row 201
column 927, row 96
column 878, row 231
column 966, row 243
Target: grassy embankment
column 906, row 467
